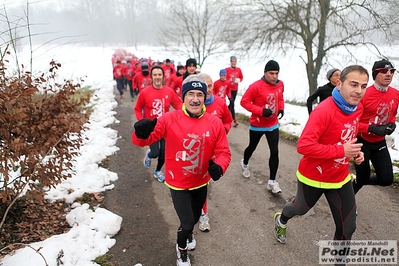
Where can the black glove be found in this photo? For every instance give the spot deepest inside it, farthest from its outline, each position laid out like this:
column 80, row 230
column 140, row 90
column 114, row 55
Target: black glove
column 280, row 114
column 144, row 127
column 378, row 130
column 215, row 171
column 267, row 112
column 390, row 128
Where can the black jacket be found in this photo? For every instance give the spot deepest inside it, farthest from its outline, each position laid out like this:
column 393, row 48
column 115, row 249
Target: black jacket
column 322, row 92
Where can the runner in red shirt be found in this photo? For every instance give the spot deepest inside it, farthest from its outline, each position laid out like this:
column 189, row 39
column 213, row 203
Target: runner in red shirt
column 265, row 100
column 221, row 86
column 153, row 102
column 380, row 103
column 169, row 70
column 177, row 80
column 327, row 143
column 118, row 76
column 142, row 78
column 196, row 150
column 217, row 107
column 234, row 77
column 129, row 74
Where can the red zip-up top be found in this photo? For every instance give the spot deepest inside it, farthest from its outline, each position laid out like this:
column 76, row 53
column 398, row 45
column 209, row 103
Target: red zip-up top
column 380, row 108
column 189, row 144
column 130, row 72
column 118, row 71
column 153, row 103
column 140, row 81
column 221, row 89
column 232, row 74
column 177, row 85
column 321, row 143
column 220, row 109
column 168, row 72
column 260, row 95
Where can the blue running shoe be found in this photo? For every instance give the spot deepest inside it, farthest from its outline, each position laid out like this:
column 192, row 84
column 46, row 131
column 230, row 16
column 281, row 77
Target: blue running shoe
column 159, row 175
column 147, row 160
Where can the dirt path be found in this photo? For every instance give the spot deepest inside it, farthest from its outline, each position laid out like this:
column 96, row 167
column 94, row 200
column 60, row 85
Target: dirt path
column 241, row 210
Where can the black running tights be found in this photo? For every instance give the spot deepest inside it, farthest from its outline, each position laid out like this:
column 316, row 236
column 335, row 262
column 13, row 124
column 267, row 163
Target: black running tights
column 188, row 205
column 342, row 204
column 272, row 138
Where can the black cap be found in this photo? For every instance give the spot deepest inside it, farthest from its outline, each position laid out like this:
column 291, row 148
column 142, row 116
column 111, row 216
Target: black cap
column 272, row 66
column 380, row 64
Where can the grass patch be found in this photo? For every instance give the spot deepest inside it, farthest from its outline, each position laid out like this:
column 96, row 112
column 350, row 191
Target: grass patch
column 242, row 118
column 105, row 260
column 295, row 102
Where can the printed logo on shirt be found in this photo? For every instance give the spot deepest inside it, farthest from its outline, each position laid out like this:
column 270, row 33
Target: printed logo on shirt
column 271, row 102
column 222, row 91
column 193, row 147
column 158, row 108
column 146, row 83
column 347, row 133
column 382, row 114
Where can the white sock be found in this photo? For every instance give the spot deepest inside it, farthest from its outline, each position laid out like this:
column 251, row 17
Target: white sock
column 271, row 181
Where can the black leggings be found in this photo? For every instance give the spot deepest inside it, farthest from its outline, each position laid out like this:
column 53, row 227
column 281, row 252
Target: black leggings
column 158, row 151
column 272, row 138
column 188, row 205
column 231, row 104
column 379, row 156
column 342, row 204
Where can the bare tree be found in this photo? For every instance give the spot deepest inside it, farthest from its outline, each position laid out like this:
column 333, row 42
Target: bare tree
column 315, row 26
column 194, row 28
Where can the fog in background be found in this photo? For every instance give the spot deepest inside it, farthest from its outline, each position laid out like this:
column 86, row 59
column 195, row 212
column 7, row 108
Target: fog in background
column 85, row 22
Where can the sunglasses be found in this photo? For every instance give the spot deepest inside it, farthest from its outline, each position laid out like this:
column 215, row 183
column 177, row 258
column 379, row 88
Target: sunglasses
column 385, row 70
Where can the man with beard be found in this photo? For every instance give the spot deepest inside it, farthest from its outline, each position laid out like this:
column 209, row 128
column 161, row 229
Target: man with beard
column 153, row 102
column 196, row 150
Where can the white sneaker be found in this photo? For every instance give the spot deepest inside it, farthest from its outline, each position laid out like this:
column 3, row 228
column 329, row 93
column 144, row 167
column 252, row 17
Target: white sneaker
column 182, row 257
column 274, row 187
column 245, row 169
column 191, row 242
column 203, row 224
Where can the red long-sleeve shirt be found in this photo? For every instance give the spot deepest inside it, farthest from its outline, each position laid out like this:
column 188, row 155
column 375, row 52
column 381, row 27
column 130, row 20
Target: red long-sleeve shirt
column 380, row 108
column 140, row 81
column 321, row 143
column 178, row 85
column 118, row 71
column 221, row 89
column 260, row 95
column 190, row 143
column 168, row 72
column 153, row 103
column 232, row 74
column 220, row 109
